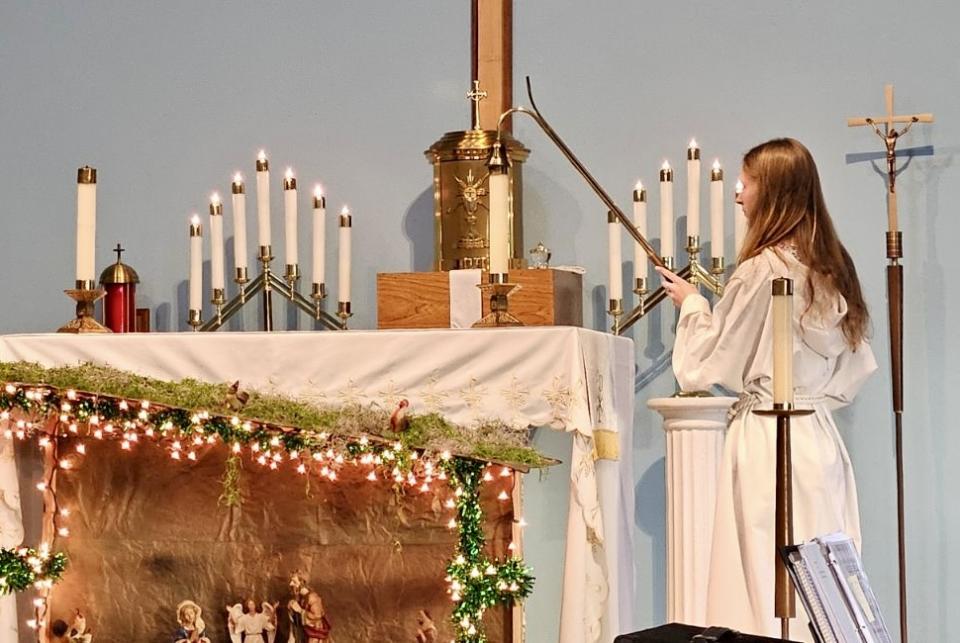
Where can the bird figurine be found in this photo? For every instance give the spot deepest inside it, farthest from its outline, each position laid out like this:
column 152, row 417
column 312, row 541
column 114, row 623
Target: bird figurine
column 235, row 398
column 398, row 420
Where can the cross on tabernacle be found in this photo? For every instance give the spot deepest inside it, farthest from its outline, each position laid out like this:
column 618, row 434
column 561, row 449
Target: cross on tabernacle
column 890, row 137
column 476, row 95
column 119, row 251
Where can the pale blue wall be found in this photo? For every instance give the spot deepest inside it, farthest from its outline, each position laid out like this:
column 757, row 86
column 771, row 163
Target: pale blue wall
column 168, row 99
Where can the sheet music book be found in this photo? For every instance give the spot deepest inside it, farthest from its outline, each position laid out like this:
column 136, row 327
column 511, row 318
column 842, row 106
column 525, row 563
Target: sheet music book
column 833, row 586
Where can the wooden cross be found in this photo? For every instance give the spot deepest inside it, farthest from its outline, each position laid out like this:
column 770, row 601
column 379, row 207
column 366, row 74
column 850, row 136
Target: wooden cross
column 491, row 23
column 890, row 136
column 476, row 95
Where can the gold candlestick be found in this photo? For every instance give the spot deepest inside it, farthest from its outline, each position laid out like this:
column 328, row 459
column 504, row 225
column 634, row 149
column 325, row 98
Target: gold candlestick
column 616, row 311
column 85, row 294
column 343, row 312
column 497, row 290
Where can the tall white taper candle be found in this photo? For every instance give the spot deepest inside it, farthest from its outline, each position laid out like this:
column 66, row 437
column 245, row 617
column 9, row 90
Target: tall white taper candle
column 239, row 221
column 716, row 210
column 86, row 224
column 290, row 218
column 499, row 223
column 263, row 199
column 616, row 256
column 693, row 189
column 319, row 235
column 216, row 242
column 666, row 212
column 346, row 225
column 640, row 266
column 783, row 341
column 196, row 264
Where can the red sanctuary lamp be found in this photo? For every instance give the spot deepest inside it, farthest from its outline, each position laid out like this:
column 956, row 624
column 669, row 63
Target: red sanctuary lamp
column 120, row 305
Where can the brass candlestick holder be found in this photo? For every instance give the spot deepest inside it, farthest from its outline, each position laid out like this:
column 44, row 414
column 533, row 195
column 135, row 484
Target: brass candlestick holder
column 265, row 284
column 86, row 295
column 785, row 606
column 616, row 311
column 497, row 291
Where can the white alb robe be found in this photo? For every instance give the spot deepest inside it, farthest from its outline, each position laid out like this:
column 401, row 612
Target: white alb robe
column 732, row 346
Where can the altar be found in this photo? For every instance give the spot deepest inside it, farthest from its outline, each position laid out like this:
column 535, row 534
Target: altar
column 568, row 379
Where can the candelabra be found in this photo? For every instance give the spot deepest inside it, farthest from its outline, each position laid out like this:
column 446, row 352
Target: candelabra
column 265, row 284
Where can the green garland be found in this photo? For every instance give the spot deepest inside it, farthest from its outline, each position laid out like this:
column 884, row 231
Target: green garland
column 124, row 405
column 491, row 441
column 21, row 569
column 476, row 582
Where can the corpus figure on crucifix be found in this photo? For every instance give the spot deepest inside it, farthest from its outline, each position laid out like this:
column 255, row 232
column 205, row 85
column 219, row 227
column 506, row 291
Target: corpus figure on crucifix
column 890, row 138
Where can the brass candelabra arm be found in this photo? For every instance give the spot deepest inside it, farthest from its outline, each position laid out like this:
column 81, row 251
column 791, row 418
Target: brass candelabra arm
column 648, row 303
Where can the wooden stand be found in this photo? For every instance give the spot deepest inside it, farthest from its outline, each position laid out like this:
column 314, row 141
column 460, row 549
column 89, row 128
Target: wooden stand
column 422, row 299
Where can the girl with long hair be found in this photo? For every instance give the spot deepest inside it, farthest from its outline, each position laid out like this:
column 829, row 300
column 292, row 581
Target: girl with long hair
column 790, row 234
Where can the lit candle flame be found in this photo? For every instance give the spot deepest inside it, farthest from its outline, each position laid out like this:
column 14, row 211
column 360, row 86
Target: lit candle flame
column 215, row 198
column 238, row 178
column 318, row 191
column 639, row 186
column 344, row 211
column 693, row 143
column 289, row 173
column 665, row 166
column 739, row 187
column 262, row 156
column 195, row 220
column 716, row 164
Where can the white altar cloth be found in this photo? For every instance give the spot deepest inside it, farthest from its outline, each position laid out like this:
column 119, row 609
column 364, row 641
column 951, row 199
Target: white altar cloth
column 567, row 378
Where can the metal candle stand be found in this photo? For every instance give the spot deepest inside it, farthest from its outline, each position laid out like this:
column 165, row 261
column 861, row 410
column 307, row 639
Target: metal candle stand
column 265, row 283
column 86, row 294
column 785, row 606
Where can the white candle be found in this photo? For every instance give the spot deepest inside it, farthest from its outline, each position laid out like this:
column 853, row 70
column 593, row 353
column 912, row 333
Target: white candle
column 239, row 222
column 196, row 264
column 86, row 223
column 216, row 242
column 346, row 225
column 319, row 235
column 290, row 217
column 666, row 212
column 716, row 210
column 739, row 221
column 499, row 223
column 616, row 256
column 263, row 198
column 783, row 341
column 640, row 265
column 693, row 189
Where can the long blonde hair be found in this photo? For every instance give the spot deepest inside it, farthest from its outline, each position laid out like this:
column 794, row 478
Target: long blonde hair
column 790, row 207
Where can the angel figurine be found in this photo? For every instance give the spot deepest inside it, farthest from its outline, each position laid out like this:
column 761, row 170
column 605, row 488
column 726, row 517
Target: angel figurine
column 258, row 624
column 234, row 612
column 192, row 628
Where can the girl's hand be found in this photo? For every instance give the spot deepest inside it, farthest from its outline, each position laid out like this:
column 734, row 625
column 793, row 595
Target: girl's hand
column 677, row 288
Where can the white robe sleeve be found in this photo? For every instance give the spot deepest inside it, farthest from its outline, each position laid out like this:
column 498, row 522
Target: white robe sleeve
column 852, row 370
column 717, row 348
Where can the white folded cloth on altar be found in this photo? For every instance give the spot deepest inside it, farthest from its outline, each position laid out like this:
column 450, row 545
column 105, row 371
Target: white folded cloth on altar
column 466, row 306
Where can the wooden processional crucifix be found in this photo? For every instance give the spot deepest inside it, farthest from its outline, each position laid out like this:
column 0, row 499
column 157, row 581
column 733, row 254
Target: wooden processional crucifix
column 885, row 128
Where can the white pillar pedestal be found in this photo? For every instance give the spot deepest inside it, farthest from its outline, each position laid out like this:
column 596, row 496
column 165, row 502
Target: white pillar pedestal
column 695, row 428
